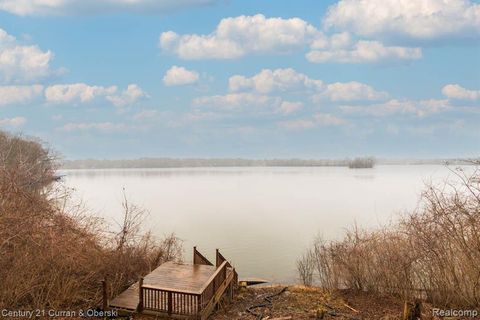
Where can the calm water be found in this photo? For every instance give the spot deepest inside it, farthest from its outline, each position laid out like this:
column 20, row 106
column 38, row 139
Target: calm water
column 262, row 219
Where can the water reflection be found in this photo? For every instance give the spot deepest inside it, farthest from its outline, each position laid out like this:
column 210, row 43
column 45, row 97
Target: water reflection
column 261, row 218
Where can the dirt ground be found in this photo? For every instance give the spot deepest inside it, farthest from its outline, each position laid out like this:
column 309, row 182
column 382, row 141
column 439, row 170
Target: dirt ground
column 313, row 303
column 298, row 303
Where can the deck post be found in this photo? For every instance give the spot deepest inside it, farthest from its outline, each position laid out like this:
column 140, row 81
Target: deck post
column 104, row 294
column 199, row 306
column 230, row 291
column 234, row 283
column 170, row 303
column 140, row 295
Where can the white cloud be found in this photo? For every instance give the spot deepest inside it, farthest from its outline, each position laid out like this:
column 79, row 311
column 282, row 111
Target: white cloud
column 19, row 94
column 75, row 7
column 84, row 93
column 19, row 63
column 451, row 127
column 5, row 37
column 455, row 91
column 318, row 120
column 287, row 107
column 236, row 101
column 419, row 19
column 132, row 94
column 237, row 36
column 291, row 81
column 364, row 52
column 392, row 107
column 13, row 122
column 350, row 91
column 195, row 115
column 145, row 115
column 274, row 80
column 100, row 126
column 177, row 76
column 335, row 41
column 77, row 92
column 246, row 102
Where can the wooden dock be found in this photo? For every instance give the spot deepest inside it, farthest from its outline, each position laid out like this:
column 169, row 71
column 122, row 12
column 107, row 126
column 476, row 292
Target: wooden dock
column 176, row 290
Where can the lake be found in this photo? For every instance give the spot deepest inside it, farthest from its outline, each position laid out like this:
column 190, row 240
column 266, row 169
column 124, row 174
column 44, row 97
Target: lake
column 262, row 219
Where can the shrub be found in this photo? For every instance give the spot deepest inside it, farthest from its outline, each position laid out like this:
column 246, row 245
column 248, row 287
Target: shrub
column 432, row 253
column 52, row 252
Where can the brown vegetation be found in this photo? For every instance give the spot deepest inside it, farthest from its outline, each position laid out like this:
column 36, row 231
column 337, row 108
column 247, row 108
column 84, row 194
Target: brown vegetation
column 432, row 253
column 315, row 303
column 53, row 254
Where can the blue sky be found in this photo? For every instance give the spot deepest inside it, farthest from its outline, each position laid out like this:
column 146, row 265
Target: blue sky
column 257, row 79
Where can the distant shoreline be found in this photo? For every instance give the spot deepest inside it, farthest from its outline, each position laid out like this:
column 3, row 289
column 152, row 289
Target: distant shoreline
column 165, row 163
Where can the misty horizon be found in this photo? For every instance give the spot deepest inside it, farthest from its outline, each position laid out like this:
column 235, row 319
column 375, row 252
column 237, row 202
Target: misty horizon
column 167, row 162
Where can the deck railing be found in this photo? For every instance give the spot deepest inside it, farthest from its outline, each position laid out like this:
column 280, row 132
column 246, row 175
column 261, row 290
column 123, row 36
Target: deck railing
column 170, row 302
column 220, row 259
column 212, row 285
column 186, row 303
column 199, row 258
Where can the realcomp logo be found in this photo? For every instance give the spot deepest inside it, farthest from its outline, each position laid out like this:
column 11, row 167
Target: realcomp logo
column 469, row 313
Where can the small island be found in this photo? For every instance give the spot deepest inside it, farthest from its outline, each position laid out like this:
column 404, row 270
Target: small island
column 362, row 163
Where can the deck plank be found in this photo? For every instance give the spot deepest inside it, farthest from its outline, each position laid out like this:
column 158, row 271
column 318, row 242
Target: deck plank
column 127, row 300
column 171, row 276
column 178, row 277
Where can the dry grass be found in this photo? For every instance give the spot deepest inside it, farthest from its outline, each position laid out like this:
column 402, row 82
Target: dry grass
column 432, row 253
column 309, row 302
column 53, row 254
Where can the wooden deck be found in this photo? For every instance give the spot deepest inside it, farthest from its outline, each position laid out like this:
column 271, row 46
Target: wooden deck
column 127, row 300
column 180, row 290
column 169, row 276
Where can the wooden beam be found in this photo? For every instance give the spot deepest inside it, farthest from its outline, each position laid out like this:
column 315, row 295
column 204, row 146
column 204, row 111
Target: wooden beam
column 170, row 303
column 217, row 296
column 105, row 294
column 155, row 287
column 212, row 277
column 140, row 295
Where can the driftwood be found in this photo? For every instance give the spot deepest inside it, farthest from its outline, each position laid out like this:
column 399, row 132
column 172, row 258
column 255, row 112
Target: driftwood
column 354, row 310
column 330, row 311
column 268, row 303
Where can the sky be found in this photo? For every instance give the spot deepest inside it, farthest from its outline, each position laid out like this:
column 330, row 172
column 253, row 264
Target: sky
column 118, row 79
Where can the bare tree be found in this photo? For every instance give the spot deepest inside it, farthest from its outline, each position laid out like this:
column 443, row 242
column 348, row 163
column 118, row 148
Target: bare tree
column 432, row 252
column 130, row 226
column 53, row 253
column 306, row 268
